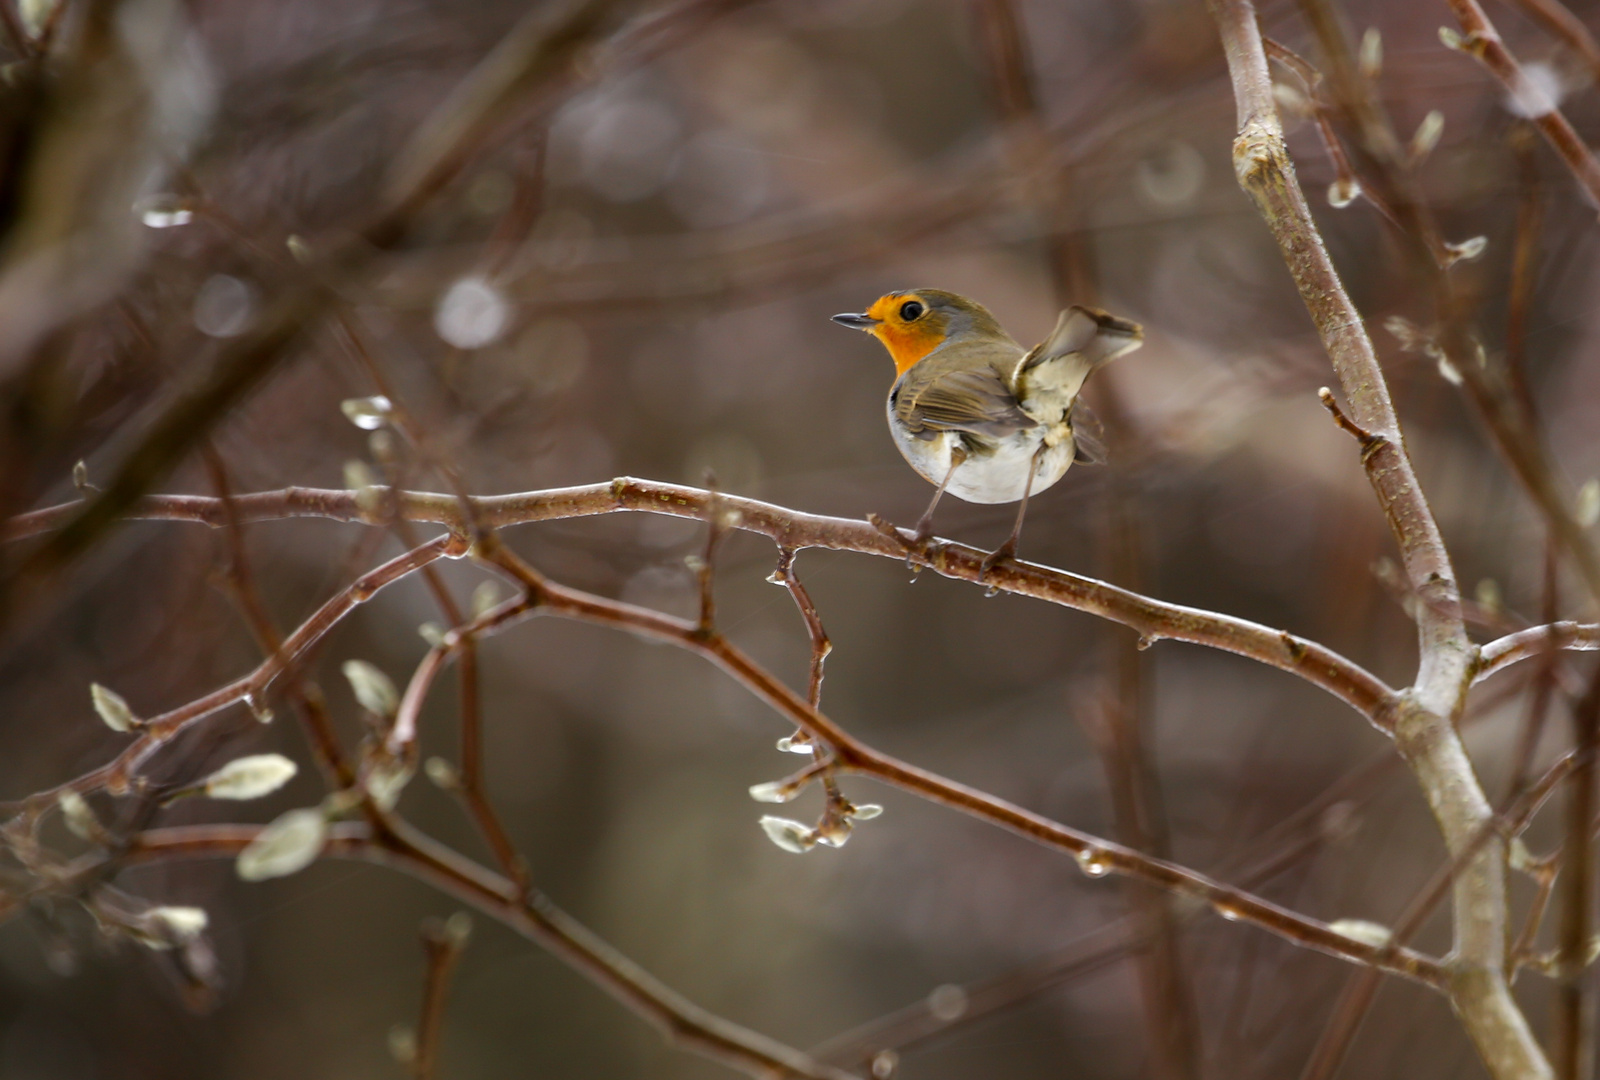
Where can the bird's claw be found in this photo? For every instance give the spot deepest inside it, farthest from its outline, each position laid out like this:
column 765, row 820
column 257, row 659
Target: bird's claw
column 916, row 548
column 891, row 530
column 1004, row 553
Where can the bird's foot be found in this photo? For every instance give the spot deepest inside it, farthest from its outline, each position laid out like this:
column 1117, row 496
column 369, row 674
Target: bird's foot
column 891, row 530
column 1006, row 552
column 916, row 548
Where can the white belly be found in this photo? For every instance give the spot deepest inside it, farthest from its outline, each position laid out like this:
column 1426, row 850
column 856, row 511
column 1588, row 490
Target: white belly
column 988, row 476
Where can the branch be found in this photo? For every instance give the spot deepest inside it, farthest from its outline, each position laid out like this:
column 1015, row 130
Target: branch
column 118, row 775
column 536, row 918
column 1483, row 43
column 1525, row 644
column 1151, row 619
column 1095, row 856
column 1424, row 724
column 442, row 943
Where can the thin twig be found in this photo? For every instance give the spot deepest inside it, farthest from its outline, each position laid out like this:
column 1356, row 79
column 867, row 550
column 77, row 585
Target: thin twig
column 305, row 697
column 1534, row 641
column 1544, row 680
column 1361, row 987
column 1525, row 259
column 442, row 944
column 705, row 566
column 1573, row 1040
column 1367, row 439
column 1482, row 41
column 785, row 575
column 536, row 918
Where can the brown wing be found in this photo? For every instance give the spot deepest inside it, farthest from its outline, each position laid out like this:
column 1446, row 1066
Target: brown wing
column 973, row 401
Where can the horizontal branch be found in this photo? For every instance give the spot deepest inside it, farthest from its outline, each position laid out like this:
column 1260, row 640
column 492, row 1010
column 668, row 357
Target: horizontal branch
column 1503, row 652
column 537, row 918
column 791, row 529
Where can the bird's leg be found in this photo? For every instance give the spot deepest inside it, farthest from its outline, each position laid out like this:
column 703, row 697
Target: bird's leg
column 958, row 455
column 1008, row 549
column 918, row 544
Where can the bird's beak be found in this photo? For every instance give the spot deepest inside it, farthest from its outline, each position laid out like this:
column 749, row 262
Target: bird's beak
column 856, row 322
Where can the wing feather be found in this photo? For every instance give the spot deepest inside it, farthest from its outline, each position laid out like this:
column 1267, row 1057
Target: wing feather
column 973, row 401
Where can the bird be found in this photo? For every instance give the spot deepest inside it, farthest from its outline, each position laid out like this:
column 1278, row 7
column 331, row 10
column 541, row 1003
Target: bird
column 978, row 415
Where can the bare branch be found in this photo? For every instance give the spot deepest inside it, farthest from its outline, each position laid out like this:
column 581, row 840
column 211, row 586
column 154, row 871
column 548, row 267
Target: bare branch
column 534, row 917
column 1508, row 650
column 1095, row 856
column 442, row 943
column 119, row 774
column 1482, row 41
column 1424, row 725
column 1152, row 619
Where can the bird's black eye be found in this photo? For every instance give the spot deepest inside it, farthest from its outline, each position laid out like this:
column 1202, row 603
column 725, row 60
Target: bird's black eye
column 911, row 310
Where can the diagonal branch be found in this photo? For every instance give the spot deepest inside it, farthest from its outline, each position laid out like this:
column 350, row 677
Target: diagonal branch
column 119, row 774
column 536, row 918
column 1095, row 856
column 1424, row 724
column 1482, row 41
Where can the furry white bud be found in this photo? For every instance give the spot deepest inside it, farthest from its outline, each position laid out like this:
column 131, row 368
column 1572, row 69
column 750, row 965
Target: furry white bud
column 287, row 845
column 789, row 835
column 373, row 689
column 112, row 708
column 250, row 777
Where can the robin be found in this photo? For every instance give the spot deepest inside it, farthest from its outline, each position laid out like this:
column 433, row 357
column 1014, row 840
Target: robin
column 977, row 414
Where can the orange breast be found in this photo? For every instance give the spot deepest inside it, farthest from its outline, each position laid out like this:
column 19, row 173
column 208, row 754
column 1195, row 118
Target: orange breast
column 907, row 346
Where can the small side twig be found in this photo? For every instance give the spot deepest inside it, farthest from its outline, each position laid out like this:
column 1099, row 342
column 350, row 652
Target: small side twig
column 1362, row 986
column 306, row 698
column 1369, row 442
column 1482, row 42
column 1544, row 680
column 704, row 564
column 820, row 645
column 442, row 943
column 1572, row 1050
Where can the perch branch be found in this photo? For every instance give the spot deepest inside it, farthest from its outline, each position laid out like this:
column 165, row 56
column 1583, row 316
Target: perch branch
column 1151, row 619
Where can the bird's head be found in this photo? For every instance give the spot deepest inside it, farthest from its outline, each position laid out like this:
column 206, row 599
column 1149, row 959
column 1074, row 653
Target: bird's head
column 913, row 323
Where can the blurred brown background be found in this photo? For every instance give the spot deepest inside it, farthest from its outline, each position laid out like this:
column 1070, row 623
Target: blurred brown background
column 669, row 245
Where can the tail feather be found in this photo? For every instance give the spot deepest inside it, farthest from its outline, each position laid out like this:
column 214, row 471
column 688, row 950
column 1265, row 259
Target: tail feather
column 1097, row 336
column 1084, row 339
